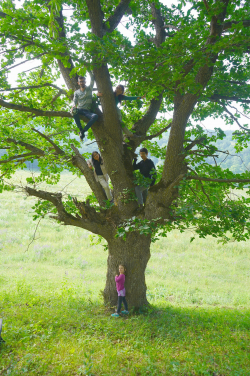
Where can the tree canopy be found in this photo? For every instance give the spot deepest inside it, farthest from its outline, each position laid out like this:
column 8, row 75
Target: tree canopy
column 190, row 59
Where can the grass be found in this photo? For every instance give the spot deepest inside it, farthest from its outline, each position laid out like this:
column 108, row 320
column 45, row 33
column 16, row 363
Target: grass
column 54, row 321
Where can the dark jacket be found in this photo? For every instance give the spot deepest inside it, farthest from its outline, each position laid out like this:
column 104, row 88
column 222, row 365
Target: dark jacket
column 145, row 168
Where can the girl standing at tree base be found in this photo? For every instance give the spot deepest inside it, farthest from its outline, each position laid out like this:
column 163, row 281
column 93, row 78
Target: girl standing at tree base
column 120, row 280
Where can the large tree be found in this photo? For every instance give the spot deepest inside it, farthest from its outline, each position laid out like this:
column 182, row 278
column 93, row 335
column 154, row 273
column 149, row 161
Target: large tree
column 191, row 60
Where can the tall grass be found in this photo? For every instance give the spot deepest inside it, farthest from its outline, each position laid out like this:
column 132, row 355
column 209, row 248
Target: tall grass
column 54, row 321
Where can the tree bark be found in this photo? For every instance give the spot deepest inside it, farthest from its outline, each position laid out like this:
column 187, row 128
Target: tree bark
column 134, row 254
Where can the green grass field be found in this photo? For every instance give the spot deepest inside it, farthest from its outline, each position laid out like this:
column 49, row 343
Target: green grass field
column 54, row 321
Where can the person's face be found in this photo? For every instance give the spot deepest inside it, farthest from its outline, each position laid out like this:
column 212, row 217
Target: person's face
column 121, row 269
column 143, row 155
column 96, row 156
column 119, row 90
column 82, row 82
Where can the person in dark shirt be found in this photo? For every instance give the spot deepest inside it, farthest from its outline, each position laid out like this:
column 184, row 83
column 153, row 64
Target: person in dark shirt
column 96, row 164
column 147, row 169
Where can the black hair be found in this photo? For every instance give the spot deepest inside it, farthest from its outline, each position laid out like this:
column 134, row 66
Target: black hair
column 144, row 150
column 94, row 161
column 120, row 96
column 81, row 78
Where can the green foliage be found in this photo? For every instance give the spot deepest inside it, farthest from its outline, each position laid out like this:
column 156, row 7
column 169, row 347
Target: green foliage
column 32, row 30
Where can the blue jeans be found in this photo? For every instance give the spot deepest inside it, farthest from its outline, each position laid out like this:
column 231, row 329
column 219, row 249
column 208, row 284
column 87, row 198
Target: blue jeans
column 119, row 305
column 89, row 115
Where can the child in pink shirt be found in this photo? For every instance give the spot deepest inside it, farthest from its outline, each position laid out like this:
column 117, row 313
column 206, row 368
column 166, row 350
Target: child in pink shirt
column 120, row 280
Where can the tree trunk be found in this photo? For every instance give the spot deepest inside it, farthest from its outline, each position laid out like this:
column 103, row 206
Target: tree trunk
column 134, row 254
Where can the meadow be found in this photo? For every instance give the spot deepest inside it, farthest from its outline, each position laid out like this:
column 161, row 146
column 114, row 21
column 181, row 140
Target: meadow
column 55, row 323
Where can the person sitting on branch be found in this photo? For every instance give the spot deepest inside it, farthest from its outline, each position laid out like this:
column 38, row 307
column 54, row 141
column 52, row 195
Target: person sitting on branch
column 100, row 173
column 148, row 170
column 119, row 96
column 82, row 102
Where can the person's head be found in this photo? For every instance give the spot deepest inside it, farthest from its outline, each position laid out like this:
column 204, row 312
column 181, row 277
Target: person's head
column 122, row 269
column 144, row 153
column 119, row 89
column 81, row 81
column 96, row 157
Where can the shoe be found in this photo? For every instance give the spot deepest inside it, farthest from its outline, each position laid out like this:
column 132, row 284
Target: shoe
column 125, row 312
column 82, row 136
column 115, row 315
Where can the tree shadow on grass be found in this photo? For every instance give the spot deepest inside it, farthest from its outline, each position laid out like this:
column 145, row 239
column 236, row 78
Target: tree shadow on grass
column 65, row 335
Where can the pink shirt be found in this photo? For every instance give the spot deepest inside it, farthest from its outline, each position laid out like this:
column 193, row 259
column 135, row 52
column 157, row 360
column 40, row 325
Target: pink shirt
column 120, row 280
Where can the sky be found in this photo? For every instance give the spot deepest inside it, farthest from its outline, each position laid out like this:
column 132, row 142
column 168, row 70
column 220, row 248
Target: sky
column 209, row 123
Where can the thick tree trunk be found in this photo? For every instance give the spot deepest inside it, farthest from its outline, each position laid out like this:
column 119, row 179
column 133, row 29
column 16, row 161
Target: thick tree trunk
column 134, row 254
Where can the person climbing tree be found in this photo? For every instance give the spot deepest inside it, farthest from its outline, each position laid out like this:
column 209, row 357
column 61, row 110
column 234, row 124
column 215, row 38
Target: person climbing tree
column 148, row 170
column 96, row 163
column 82, row 102
column 119, row 96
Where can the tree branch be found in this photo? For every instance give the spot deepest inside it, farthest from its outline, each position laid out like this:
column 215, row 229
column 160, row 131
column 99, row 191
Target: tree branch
column 55, row 146
column 229, row 24
column 70, row 80
column 202, row 187
column 22, row 62
column 114, row 20
column 142, row 126
column 91, row 220
column 191, row 177
column 35, row 87
column 158, row 133
column 17, row 157
column 30, row 147
column 217, row 97
column 38, row 112
column 233, row 117
column 142, row 138
column 206, row 5
column 195, row 142
column 158, row 22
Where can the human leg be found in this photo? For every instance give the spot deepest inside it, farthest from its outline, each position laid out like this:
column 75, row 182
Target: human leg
column 138, row 191
column 105, row 186
column 144, row 195
column 125, row 303
column 78, row 122
column 119, row 305
column 93, row 118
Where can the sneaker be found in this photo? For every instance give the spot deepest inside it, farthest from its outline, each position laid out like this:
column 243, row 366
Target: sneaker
column 115, row 315
column 82, row 136
column 125, row 312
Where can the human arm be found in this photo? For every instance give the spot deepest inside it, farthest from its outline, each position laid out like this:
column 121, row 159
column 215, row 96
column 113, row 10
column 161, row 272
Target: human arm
column 92, row 79
column 119, row 278
column 74, row 101
column 126, row 98
column 89, row 163
column 136, row 165
column 153, row 174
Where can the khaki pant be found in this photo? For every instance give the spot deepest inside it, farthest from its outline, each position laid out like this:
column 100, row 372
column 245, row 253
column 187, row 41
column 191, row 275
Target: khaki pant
column 105, row 186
